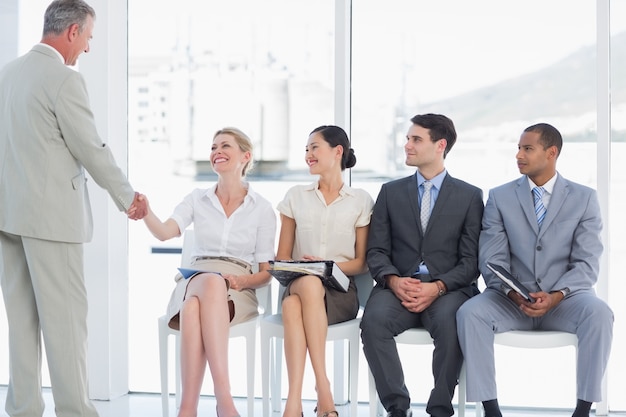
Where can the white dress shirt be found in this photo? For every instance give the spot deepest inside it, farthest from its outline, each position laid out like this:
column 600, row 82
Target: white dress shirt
column 248, row 234
column 548, row 187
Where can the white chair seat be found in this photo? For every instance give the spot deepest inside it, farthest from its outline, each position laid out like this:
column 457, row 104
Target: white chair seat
column 534, row 339
column 538, row 339
column 415, row 336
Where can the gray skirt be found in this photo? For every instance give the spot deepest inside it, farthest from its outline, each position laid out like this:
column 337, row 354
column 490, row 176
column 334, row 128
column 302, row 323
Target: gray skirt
column 244, row 302
column 340, row 306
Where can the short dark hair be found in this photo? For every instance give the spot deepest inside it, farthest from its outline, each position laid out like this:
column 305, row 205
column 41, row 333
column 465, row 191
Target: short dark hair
column 334, row 136
column 548, row 135
column 61, row 14
column 439, row 127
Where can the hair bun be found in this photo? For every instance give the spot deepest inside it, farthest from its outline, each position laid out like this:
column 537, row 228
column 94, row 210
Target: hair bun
column 350, row 158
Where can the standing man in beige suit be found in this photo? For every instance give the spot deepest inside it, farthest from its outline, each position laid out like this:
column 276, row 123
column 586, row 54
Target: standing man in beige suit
column 48, row 140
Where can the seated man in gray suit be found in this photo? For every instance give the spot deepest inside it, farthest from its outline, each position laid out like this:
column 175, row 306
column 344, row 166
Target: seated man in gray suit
column 423, row 253
column 545, row 230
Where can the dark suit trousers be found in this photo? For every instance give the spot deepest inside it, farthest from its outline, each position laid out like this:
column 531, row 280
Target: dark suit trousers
column 384, row 317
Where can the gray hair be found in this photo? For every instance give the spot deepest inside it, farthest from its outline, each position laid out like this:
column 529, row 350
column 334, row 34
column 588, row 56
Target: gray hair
column 61, row 14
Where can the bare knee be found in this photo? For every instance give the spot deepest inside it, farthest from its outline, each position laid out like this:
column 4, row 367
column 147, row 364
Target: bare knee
column 308, row 287
column 207, row 286
column 190, row 308
column 292, row 308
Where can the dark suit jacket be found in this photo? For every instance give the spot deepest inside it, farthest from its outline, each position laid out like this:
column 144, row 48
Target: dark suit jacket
column 449, row 246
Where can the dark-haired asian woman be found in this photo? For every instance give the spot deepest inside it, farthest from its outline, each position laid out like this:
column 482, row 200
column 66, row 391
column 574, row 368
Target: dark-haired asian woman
column 324, row 220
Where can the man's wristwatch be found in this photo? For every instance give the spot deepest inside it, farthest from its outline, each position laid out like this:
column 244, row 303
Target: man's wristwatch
column 442, row 287
column 565, row 291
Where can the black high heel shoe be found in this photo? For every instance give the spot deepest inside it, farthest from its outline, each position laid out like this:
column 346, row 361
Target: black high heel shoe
column 326, row 413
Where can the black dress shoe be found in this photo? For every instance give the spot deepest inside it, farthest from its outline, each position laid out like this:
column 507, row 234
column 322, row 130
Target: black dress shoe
column 400, row 413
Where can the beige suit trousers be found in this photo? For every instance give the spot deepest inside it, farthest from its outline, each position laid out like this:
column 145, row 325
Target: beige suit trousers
column 44, row 294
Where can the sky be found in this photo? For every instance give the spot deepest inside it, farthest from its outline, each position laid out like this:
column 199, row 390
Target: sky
column 471, row 43
column 468, row 43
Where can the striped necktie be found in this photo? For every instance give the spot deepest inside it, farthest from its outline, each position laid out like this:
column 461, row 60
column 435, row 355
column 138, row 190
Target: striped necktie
column 540, row 209
column 425, row 208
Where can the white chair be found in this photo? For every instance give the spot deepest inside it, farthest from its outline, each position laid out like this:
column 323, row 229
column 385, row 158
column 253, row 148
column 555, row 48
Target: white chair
column 417, row 336
column 271, row 353
column 247, row 329
column 538, row 339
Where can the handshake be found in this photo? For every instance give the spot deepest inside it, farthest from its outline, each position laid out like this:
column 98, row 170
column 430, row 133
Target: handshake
column 139, row 208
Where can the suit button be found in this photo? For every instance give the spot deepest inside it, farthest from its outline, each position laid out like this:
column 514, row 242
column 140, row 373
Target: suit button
column 538, row 280
column 539, row 248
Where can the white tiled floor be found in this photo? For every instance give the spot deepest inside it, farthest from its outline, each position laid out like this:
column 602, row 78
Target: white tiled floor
column 144, row 405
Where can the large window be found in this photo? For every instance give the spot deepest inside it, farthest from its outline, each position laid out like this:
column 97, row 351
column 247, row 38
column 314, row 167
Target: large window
column 494, row 68
column 265, row 67
column 269, row 68
column 617, row 243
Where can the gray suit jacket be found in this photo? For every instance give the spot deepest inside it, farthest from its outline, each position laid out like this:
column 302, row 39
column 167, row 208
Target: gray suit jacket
column 564, row 254
column 449, row 247
column 47, row 140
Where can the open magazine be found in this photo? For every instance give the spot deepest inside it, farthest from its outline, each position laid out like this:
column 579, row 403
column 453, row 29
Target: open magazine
column 328, row 271
column 510, row 281
column 188, row 272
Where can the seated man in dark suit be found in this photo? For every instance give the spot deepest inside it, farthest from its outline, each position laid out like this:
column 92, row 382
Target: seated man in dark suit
column 423, row 253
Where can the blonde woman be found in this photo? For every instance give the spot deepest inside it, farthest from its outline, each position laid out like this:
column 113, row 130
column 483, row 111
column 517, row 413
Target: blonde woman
column 234, row 228
column 324, row 220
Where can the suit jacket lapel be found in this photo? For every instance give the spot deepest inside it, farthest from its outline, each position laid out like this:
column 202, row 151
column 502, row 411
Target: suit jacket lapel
column 447, row 189
column 445, row 192
column 414, row 199
column 524, row 195
column 557, row 199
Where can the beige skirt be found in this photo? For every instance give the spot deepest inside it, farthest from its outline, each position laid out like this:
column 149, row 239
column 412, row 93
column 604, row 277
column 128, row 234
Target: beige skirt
column 244, row 302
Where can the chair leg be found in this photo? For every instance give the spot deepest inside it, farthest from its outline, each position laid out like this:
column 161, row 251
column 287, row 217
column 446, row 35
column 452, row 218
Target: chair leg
column 462, row 391
column 266, row 363
column 354, row 375
column 340, row 376
column 179, row 384
column 602, row 408
column 163, row 357
column 250, row 362
column 277, row 375
column 479, row 409
column 374, row 403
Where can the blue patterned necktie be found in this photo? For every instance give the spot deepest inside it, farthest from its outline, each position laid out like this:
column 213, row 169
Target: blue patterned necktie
column 540, row 209
column 425, row 208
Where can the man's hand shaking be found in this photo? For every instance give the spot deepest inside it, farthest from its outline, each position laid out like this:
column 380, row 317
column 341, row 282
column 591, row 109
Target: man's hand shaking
column 139, row 208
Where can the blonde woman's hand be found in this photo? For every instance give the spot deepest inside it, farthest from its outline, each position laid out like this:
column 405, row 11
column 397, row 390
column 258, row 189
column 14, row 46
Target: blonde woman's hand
column 237, row 282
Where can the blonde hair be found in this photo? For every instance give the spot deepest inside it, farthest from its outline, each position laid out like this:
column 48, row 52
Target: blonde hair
column 244, row 143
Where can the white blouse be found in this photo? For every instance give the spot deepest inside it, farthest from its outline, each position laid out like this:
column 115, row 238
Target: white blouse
column 326, row 231
column 248, row 234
